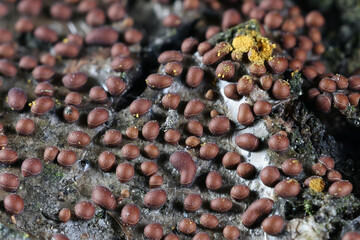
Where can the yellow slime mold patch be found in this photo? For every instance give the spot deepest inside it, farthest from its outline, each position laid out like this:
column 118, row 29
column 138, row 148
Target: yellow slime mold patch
column 259, row 48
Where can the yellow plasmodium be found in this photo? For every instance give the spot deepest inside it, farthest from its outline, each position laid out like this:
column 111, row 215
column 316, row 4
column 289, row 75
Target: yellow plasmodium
column 258, row 48
column 317, row 184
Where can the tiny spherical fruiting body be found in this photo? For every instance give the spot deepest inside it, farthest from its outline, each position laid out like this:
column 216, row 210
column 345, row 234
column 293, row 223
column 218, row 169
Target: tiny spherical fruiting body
column 201, row 236
column 266, row 82
column 219, row 125
column 313, row 93
column 172, row 136
column 291, row 167
column 66, row 158
column 170, row 100
column 209, row 151
column 270, row 175
column 333, row 176
column 221, row 204
column 279, row 143
column 173, row 69
column 351, row 236
column 42, row 105
column 190, row 44
column 281, row 89
column 151, row 130
column 213, row 180
column 278, row 65
column 130, row 214
column 257, row 209
column 44, row 89
column 156, row 181
column 130, row 151
column 246, row 170
column 327, row 161
column 209, row 221
column 195, row 127
column 78, row 139
column 171, row 236
column 28, row 62
column 247, row 141
column 3, row 141
column 8, row 156
column 153, row 231
column 59, row 237
column 318, row 169
column 288, row 188
column 225, row 70
column 354, row 98
column 273, row 225
column 102, row 36
column 132, row 133
column 115, row 85
column 149, row 168
column 170, row 56
column 323, row 103
column 17, row 98
column 103, row 197
column 98, row 94
column 231, row 160
column 43, row 73
column 193, row 108
column 192, row 202
column 112, row 138
column 151, row 151
column 13, row 204
column 262, row 108
column 245, row 115
column 97, row 117
column 314, row 19
column 9, row 182
column 257, row 69
column 194, row 76
column 183, row 162
column 340, row 189
column 341, row 81
column 25, row 126
column 155, row 198
column 273, row 20
column 187, row 226
column 158, row 81
column 74, row 81
column 231, row 92
column 31, row 167
column 84, row 210
column 239, row 192
column 245, row 85
column 122, row 64
column 71, row 114
column 73, row 98
column 327, row 85
column 64, row 215
column 231, row 232
column 217, row 53
column 133, row 36
column 231, row 17
column 125, row 172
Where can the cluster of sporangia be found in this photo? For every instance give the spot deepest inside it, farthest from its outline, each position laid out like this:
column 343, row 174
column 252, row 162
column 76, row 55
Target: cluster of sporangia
column 265, row 63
